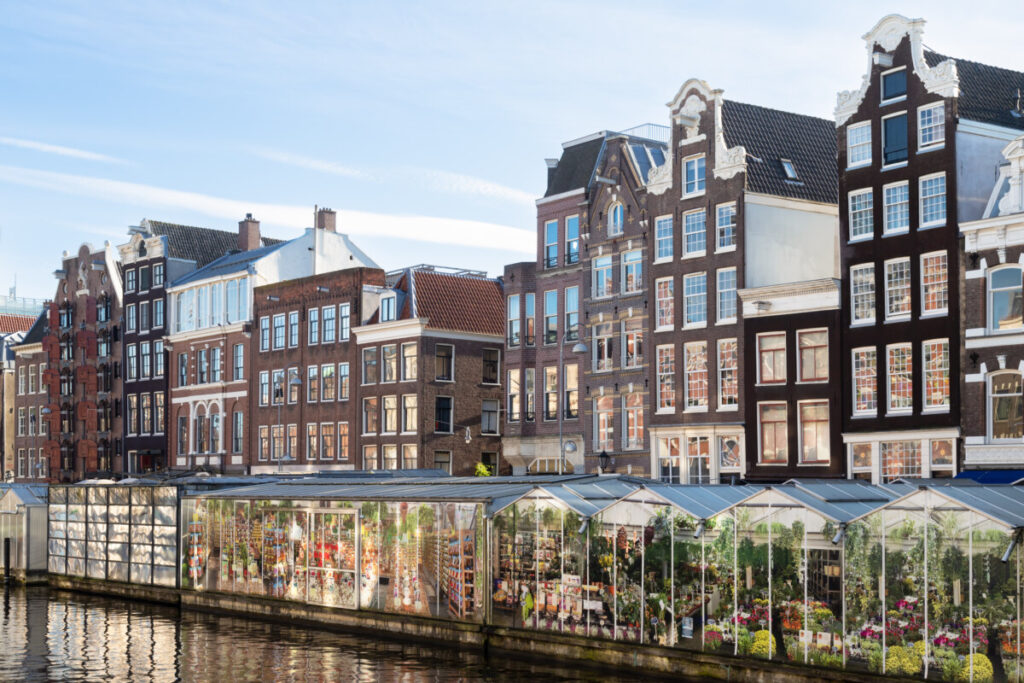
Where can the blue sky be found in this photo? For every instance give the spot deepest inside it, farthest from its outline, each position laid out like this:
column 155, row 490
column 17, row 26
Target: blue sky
column 424, row 124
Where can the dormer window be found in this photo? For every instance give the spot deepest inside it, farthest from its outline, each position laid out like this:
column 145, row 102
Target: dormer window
column 790, row 169
column 387, row 308
column 894, row 84
column 615, row 219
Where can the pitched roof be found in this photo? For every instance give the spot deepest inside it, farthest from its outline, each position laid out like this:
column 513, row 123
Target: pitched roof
column 15, row 323
column 35, row 333
column 459, row 303
column 770, row 135
column 987, row 93
column 575, row 167
column 227, row 264
column 202, row 245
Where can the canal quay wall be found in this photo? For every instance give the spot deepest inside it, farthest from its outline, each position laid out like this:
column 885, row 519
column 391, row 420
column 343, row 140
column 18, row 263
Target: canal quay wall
column 654, row 660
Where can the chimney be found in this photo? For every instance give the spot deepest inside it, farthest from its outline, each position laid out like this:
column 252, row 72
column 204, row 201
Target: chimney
column 248, row 233
column 552, row 165
column 326, row 219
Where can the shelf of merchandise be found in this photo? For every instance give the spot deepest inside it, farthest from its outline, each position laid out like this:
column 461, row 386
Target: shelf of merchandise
column 461, row 572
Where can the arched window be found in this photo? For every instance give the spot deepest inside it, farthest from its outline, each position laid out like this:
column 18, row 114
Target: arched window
column 615, row 219
column 1005, row 407
column 202, row 435
column 214, row 429
column 1004, row 299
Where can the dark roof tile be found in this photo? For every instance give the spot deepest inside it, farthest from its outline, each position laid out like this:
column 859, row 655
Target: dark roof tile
column 988, row 94
column 575, row 167
column 202, row 245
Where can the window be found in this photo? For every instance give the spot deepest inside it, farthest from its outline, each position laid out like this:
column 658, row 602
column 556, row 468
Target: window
column 530, row 319
column 328, row 329
column 572, row 240
column 264, row 333
column 237, row 431
column 21, row 422
column 158, row 313
column 936, row 374
column 550, row 393
column 727, row 294
column 238, row 362
column 615, row 219
column 146, row 359
column 182, row 369
column 158, row 274
column 409, row 418
column 443, row 414
column 933, row 200
column 862, row 293
column 147, row 414
column 328, row 387
column 572, row 313
column 132, row 321
column 602, row 276
column 144, row 316
column 632, row 271
column 159, row 412
column 390, row 424
column 264, row 388
column 632, row 343
column 293, row 329
column 21, row 380
column 858, row 144
column 894, row 84
column 633, row 421
column 604, row 425
column 666, row 303
column 131, row 414
column 371, row 410
column 934, row 287
column 410, row 460
column 132, row 362
column 409, row 369
column 277, row 387
column 390, row 453
column 894, row 139
column 389, row 363
column 183, row 437
column 865, row 381
column 550, row 316
column 530, row 391
column 513, row 411
column 931, row 126
column 897, row 208
column 312, row 441
column 513, row 320
column 491, row 371
column 772, row 424
column 813, row 358
column 144, row 279
column 313, row 325
column 666, row 378
column 444, row 363
column 202, row 367
column 771, row 353
column 312, row 383
column 551, row 244
column 900, row 459
column 695, row 233
column 694, row 175
column 344, row 321
column 343, row 382
column 343, row 441
column 603, row 343
column 728, row 374
column 696, row 360
column 814, row 433
column 663, row 238
column 571, row 407
column 789, row 168
column 264, row 445
column 1006, row 408
column 279, row 331
column 862, row 214
column 129, row 281
column 897, row 289
column 443, row 461
column 216, row 364
column 387, row 309
column 695, row 299
column 489, row 417
column 369, row 457
column 725, row 227
column 31, row 420
column 370, row 365
column 1005, row 303
column 901, row 383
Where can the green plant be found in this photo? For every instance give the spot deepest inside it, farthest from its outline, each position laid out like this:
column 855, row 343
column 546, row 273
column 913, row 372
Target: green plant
column 482, row 470
column 745, row 642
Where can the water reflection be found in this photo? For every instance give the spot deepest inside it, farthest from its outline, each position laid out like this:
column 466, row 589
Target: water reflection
column 51, row 635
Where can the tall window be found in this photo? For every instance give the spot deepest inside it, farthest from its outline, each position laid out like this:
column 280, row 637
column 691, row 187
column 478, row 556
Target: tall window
column 312, row 441
column 371, row 414
column 696, row 360
column 728, row 374
column 491, row 361
column 931, row 126
column 512, row 407
column 158, row 313
column 602, row 339
column 663, row 238
column 443, row 414
column 489, row 417
column 771, row 353
column 344, row 321
column 343, row 444
column 862, row 214
column 666, row 378
column 633, row 421
column 264, row 442
column 313, row 325
column 343, row 382
column 551, row 393
column 279, row 331
column 900, row 459
column 551, row 316
column 858, row 144
column 328, row 387
column 238, row 361
column 132, row 362
column 897, row 208
column 370, row 365
column 571, row 400
column 632, row 343
column 277, row 386
column 182, row 369
column 936, row 374
column 551, row 244
column 146, row 358
column 897, row 288
column 328, row 331
column 814, row 432
column 666, row 302
column 237, row 431
column 217, row 371
column 615, row 219
column 327, row 446
column 409, row 362
column 312, row 383
column 894, row 84
column 693, row 175
column 388, row 311
column 389, row 363
column 264, row 333
column 894, row 139
column 410, row 423
column 604, row 426
column 390, row 423
column 862, row 293
column 531, row 318
column 264, row 388
column 293, row 329
column 695, row 299
column 444, row 362
column 934, row 286
column 513, row 320
column 1006, row 408
column 572, row 313
column 530, row 391
column 865, row 381
column 632, row 271
column 1005, row 303
column 726, row 227
column 695, row 233
column 202, row 366
column 602, row 276
column 813, row 346
column 774, row 433
column 144, row 323
column 933, row 200
column 727, row 294
column 572, row 240
column 901, row 382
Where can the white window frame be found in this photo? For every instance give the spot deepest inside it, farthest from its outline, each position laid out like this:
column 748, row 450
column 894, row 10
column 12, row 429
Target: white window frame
column 702, row 408
column 889, row 409
column 849, row 148
column 931, row 146
column 719, row 225
column 659, row 239
column 989, row 438
column 799, row 357
column 722, row 406
column 989, row 308
column 800, row 432
column 896, row 164
column 670, row 350
column 785, row 357
column 616, row 225
column 926, row 406
column 898, row 317
column 702, row 183
column 657, row 303
column 760, row 434
column 886, row 230
column 925, row 313
column 702, row 323
column 697, row 253
column 637, row 264
column 871, row 412
column 854, row 321
column 719, row 291
column 881, row 86
column 870, row 193
column 937, row 223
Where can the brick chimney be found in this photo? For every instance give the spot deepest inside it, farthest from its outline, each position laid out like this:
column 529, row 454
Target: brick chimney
column 326, row 219
column 248, row 233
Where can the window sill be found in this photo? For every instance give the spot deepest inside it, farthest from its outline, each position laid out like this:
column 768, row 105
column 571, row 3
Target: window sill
column 696, row 254
column 895, row 320
column 934, row 314
column 695, row 326
column 899, row 413
column 660, row 261
column 665, row 411
column 728, row 409
column 816, row 463
column 691, row 195
column 936, row 411
column 668, row 328
column 725, row 250
column 931, row 226
column 770, row 384
column 860, row 164
column 726, row 321
column 443, row 381
column 932, row 148
column 773, row 464
column 896, row 233
column 892, row 100
column 865, row 416
column 862, row 323
column 893, row 167
column 812, row 381
column 861, row 238
column 699, row 409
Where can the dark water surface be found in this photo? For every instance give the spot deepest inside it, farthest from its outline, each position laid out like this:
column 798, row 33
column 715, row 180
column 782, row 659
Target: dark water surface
column 54, row 635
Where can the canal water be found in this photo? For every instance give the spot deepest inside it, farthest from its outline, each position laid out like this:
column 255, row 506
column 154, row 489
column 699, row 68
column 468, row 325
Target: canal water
column 50, row 635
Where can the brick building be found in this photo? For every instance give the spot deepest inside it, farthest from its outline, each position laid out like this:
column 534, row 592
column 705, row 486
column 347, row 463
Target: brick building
column 19, row 419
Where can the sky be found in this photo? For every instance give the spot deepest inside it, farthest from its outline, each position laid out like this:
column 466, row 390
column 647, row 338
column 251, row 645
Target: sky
column 425, row 125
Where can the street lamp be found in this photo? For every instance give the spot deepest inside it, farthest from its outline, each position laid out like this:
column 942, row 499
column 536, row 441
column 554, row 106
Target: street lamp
column 579, row 347
column 279, row 394
column 603, row 459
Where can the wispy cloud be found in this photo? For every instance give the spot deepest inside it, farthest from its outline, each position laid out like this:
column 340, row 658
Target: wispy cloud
column 308, row 162
column 60, row 151
column 411, row 227
column 457, row 183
